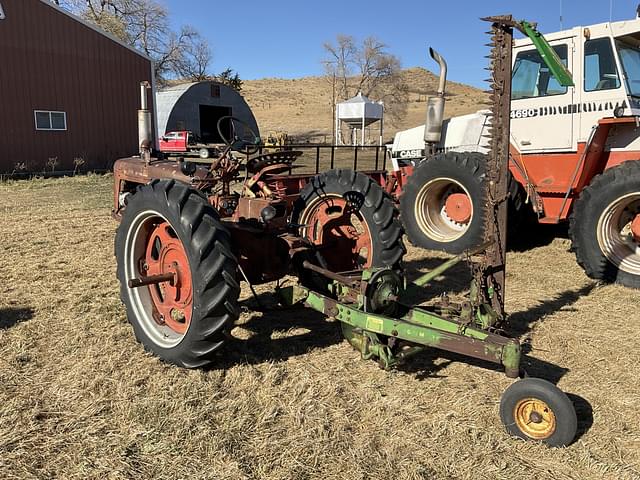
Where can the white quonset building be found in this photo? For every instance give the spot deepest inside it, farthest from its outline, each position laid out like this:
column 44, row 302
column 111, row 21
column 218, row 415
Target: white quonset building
column 358, row 113
column 197, row 107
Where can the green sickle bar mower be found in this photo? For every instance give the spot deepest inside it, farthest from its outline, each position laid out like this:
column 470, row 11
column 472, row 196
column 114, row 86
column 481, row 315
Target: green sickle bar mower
column 375, row 320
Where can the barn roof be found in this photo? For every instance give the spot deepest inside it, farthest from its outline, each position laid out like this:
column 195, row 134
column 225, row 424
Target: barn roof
column 94, row 28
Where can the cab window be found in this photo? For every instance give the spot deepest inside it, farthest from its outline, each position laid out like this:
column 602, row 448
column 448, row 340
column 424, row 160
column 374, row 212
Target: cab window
column 532, row 78
column 600, row 71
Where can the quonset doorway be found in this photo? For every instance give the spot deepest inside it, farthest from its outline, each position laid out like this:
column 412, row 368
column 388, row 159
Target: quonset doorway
column 209, row 116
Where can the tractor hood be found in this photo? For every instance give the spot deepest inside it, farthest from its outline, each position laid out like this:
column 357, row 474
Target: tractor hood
column 463, row 134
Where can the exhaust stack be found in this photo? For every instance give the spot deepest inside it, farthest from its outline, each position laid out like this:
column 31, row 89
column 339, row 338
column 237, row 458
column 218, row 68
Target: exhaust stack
column 435, row 105
column 144, row 123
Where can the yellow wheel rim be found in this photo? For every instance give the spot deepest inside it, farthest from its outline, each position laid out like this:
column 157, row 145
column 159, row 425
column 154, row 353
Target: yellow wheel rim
column 534, row 418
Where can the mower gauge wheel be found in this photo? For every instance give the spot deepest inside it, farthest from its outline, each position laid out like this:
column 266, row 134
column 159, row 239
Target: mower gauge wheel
column 535, row 409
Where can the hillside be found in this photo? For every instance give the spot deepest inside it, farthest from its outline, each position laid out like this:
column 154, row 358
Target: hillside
column 302, row 107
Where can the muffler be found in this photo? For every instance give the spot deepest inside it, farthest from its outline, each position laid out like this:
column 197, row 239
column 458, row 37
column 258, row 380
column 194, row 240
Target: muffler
column 145, row 140
column 435, row 105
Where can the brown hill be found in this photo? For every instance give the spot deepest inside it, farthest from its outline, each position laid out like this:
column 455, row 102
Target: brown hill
column 302, row 107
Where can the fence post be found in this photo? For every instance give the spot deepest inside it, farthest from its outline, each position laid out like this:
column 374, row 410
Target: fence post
column 333, row 152
column 355, row 158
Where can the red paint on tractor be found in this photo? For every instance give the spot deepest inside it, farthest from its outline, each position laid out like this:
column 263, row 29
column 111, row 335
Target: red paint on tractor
column 342, row 235
column 550, row 177
column 172, row 300
column 458, row 207
column 635, row 228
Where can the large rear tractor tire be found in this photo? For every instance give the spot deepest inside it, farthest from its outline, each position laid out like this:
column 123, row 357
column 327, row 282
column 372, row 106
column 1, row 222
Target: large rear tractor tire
column 605, row 226
column 351, row 221
column 443, row 204
column 169, row 228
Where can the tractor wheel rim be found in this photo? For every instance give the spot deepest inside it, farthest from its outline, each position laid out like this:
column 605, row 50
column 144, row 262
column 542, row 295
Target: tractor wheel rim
column 443, row 209
column 618, row 233
column 534, row 418
column 164, row 311
column 635, row 228
column 331, row 221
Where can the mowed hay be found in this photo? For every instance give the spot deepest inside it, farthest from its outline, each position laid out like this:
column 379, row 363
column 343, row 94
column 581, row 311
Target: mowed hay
column 290, row 399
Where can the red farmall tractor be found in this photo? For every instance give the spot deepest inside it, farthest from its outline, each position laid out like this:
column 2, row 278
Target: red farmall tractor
column 574, row 155
column 191, row 231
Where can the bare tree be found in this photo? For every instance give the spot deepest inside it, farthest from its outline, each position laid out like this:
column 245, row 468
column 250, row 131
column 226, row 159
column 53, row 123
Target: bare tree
column 144, row 24
column 366, row 67
column 194, row 59
column 340, row 62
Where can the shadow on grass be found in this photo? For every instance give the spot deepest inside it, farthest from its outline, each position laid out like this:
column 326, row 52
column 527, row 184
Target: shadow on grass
column 522, row 321
column 536, row 235
column 274, row 321
column 584, row 412
column 455, row 280
column 271, row 337
column 10, row 317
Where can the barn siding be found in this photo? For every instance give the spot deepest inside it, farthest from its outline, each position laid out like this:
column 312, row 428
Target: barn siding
column 50, row 61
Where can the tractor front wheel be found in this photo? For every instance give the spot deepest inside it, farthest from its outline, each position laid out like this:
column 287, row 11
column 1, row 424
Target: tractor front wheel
column 605, row 226
column 177, row 274
column 535, row 409
column 442, row 205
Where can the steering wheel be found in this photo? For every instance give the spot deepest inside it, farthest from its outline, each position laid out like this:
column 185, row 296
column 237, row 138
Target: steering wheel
column 243, row 138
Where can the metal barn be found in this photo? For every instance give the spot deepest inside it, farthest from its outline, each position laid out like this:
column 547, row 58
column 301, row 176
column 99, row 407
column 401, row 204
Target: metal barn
column 69, row 92
column 197, row 107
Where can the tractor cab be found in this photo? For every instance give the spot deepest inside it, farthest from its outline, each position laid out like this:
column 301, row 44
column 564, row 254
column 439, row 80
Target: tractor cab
column 605, row 61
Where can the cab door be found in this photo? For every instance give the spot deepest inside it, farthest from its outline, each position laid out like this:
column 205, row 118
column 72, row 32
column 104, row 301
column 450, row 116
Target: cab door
column 603, row 89
column 543, row 112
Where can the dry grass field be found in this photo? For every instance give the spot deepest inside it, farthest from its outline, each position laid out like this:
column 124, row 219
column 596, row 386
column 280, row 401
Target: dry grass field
column 305, row 110
column 290, row 399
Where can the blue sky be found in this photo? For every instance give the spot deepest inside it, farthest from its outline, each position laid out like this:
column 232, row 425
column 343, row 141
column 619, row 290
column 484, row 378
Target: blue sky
column 283, row 38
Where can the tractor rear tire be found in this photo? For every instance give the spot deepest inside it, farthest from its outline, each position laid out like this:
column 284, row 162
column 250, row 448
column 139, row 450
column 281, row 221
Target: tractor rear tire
column 601, row 226
column 167, row 228
column 424, row 202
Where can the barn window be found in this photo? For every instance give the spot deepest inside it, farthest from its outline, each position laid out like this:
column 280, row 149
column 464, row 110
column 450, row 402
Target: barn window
column 215, row 90
column 47, row 120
